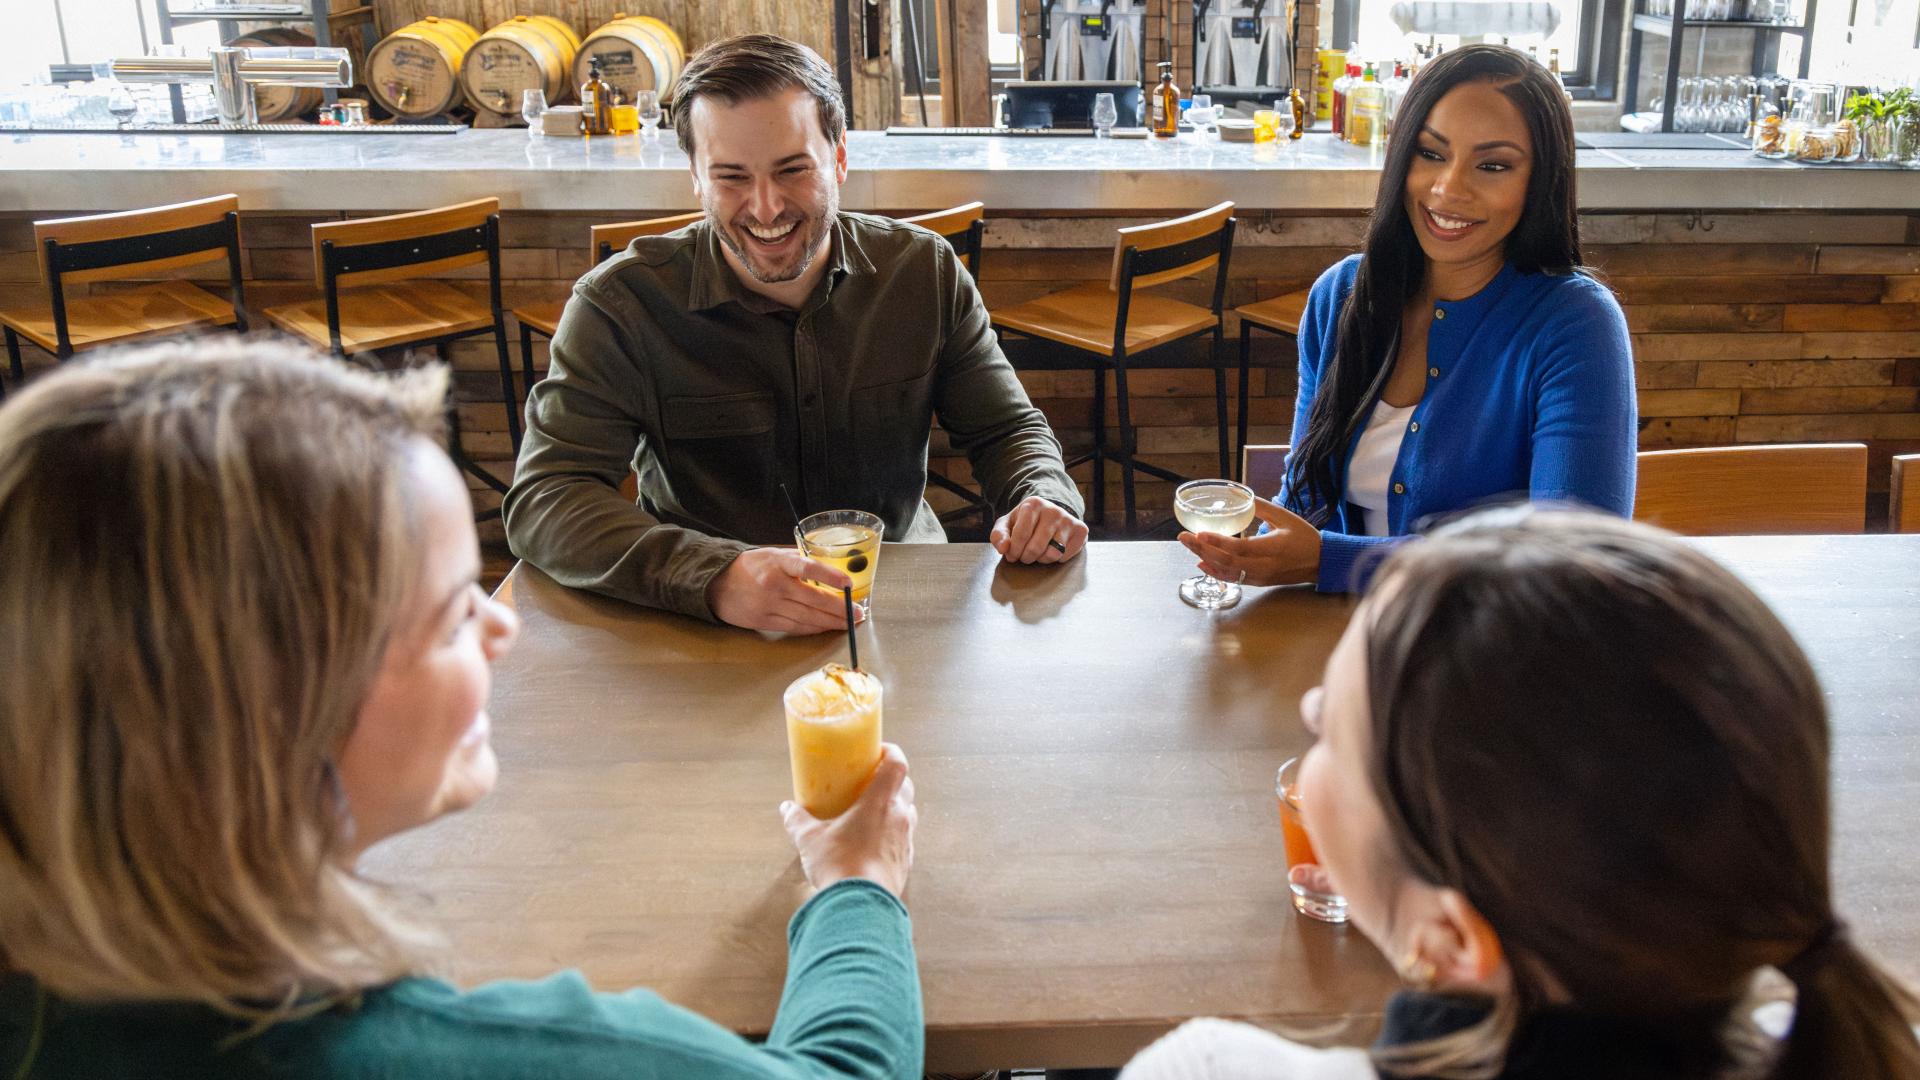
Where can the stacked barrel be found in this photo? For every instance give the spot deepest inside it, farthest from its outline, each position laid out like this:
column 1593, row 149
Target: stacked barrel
column 435, row 65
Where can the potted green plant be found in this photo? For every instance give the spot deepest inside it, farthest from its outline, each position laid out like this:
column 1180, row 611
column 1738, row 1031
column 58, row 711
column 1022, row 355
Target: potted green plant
column 1903, row 106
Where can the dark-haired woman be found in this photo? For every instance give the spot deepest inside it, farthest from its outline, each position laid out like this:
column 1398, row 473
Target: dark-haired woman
column 1579, row 877
column 1464, row 354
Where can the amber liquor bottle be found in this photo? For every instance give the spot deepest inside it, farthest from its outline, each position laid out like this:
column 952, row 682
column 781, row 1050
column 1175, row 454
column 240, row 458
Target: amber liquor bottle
column 1166, row 104
column 596, row 101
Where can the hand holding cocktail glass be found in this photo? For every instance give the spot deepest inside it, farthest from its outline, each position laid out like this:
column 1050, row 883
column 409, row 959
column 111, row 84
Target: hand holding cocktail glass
column 873, row 839
column 774, row 589
column 1288, row 553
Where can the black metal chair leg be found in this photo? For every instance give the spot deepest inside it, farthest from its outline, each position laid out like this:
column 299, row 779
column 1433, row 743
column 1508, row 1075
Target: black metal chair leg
column 526, row 358
column 1128, row 446
column 1220, row 402
column 506, row 383
column 1099, row 446
column 1246, row 353
column 13, row 356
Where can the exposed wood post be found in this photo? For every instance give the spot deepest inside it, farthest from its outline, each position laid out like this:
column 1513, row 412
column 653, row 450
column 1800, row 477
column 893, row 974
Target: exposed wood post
column 965, row 88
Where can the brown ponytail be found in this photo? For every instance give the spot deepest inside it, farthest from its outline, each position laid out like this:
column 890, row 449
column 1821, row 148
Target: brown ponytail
column 1852, row 1018
column 1554, row 681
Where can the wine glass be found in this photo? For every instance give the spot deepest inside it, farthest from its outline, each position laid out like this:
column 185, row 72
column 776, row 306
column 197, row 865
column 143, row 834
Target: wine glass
column 533, row 106
column 1283, row 122
column 647, row 104
column 1105, row 115
column 1212, row 506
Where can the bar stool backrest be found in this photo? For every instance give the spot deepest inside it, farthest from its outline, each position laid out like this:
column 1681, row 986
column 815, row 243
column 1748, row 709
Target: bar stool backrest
column 964, row 227
column 1163, row 251
column 138, row 243
column 369, row 251
column 1264, row 468
column 1904, row 495
column 1754, row 490
column 608, row 239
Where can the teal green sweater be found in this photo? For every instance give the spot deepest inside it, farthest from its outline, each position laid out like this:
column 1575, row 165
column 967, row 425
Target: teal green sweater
column 851, row 1008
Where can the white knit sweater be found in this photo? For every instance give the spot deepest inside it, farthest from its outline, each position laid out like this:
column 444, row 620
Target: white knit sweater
column 1211, row 1049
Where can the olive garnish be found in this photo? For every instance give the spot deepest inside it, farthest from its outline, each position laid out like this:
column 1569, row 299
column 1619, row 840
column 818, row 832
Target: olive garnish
column 856, row 564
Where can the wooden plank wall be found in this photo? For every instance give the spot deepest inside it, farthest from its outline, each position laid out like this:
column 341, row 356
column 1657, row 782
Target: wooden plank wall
column 1747, row 328
column 698, row 22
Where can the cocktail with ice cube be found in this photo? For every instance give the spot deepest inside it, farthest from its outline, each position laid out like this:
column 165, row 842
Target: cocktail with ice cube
column 1212, row 506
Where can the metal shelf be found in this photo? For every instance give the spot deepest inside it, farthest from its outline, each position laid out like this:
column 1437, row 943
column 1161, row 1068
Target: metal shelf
column 1766, row 49
column 251, row 13
column 258, row 129
column 1663, row 27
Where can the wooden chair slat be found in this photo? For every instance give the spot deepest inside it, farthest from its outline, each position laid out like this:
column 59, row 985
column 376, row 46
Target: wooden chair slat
column 619, row 234
column 1282, row 313
column 1754, row 490
column 1160, row 234
column 170, row 307
column 125, row 223
column 1904, row 495
column 949, row 223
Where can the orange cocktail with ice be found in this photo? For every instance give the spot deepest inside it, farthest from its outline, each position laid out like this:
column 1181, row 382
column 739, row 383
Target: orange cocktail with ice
column 833, row 737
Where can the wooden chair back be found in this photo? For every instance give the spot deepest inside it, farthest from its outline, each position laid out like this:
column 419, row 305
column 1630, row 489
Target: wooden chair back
column 131, row 243
column 1163, row 251
column 1754, row 490
column 608, row 239
column 1264, row 468
column 964, row 227
column 1903, row 510
column 368, row 251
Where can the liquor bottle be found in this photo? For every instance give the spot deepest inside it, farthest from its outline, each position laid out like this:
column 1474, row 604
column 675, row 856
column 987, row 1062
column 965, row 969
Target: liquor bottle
column 1300, row 117
column 1533, row 53
column 1553, row 65
column 1166, row 104
column 1340, row 86
column 596, row 102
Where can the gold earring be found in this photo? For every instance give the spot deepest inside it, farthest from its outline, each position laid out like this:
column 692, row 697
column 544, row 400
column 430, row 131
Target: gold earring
column 1417, row 971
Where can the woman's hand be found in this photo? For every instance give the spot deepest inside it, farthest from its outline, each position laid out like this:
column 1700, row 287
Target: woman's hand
column 1287, row 554
column 873, row 839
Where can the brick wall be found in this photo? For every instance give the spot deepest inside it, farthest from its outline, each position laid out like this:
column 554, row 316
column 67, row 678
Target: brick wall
column 1747, row 328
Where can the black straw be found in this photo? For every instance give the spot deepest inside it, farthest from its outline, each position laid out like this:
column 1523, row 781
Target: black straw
column 853, row 646
column 791, row 509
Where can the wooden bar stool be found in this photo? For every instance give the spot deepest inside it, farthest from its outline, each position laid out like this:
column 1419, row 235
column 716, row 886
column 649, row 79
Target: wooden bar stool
column 1903, row 494
column 1277, row 315
column 386, row 306
column 129, row 244
column 963, row 227
column 1109, row 325
column 1754, row 490
column 603, row 241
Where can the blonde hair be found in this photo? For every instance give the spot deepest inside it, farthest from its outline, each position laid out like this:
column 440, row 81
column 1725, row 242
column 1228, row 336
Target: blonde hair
column 207, row 545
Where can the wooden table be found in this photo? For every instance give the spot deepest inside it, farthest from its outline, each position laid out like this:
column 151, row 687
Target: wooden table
column 1098, row 855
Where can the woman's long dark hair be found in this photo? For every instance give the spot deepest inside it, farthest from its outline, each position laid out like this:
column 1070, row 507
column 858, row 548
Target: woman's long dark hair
column 1392, row 266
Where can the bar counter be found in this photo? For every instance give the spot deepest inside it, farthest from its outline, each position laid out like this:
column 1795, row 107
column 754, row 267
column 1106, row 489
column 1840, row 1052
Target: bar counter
column 381, row 171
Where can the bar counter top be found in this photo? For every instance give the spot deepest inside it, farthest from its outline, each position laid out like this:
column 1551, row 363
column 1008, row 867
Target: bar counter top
column 382, row 171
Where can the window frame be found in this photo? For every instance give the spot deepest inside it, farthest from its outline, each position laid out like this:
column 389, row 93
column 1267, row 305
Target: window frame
column 1596, row 72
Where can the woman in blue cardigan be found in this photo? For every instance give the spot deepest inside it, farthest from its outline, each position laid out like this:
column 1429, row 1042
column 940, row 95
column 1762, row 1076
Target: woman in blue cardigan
column 1465, row 354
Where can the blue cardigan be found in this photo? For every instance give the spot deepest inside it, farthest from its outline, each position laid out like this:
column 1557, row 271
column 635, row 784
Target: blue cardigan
column 1529, row 392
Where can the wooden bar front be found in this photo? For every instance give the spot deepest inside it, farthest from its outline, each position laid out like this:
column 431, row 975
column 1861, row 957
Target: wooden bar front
column 1099, row 853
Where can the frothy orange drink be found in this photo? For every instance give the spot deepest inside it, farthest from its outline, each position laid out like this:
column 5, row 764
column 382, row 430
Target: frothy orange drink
column 833, row 737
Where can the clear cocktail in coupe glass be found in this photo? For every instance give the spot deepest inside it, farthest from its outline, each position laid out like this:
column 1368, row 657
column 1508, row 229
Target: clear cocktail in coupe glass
column 833, row 737
column 848, row 540
column 1212, row 506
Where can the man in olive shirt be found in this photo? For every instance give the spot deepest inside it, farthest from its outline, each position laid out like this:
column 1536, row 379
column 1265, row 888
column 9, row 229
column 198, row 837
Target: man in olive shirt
column 778, row 342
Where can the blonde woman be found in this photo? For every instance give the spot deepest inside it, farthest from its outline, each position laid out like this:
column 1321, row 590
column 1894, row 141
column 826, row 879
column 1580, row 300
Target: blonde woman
column 244, row 641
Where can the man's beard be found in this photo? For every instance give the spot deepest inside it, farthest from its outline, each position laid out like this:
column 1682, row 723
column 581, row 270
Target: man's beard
column 816, row 229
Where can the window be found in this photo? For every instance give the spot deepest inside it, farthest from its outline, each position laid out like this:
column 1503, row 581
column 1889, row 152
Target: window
column 1588, row 38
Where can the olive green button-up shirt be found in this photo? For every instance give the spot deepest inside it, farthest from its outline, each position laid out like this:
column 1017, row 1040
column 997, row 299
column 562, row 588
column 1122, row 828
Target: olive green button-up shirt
column 666, row 365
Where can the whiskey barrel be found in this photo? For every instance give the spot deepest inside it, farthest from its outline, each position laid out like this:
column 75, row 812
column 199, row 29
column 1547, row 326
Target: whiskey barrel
column 527, row 52
column 280, row 103
column 415, row 71
column 636, row 53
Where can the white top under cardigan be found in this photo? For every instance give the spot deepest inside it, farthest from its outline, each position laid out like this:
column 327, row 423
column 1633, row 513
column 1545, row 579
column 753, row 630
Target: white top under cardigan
column 1371, row 471
column 1212, row 1049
